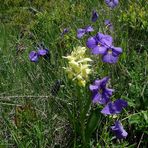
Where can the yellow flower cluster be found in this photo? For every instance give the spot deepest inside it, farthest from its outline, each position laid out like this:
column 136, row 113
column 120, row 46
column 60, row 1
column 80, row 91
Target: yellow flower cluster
column 78, row 67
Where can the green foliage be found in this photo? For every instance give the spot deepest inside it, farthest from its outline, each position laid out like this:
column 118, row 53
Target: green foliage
column 68, row 119
column 140, row 121
column 137, row 15
column 134, row 17
column 92, row 123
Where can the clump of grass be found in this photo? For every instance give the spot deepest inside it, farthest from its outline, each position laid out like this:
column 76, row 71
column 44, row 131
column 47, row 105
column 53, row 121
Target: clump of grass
column 54, row 115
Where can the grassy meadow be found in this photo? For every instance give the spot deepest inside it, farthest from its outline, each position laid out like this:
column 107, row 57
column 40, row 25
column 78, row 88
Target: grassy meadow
column 44, row 106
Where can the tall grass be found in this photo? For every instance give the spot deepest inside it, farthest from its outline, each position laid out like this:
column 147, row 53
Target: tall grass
column 36, row 110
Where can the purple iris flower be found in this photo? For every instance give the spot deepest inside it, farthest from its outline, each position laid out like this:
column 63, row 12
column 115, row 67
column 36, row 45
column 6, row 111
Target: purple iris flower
column 112, row 3
column 99, row 43
column 111, row 55
column 114, row 107
column 100, row 93
column 33, row 56
column 109, row 25
column 42, row 52
column 94, row 16
column 118, row 130
column 66, row 30
column 82, row 31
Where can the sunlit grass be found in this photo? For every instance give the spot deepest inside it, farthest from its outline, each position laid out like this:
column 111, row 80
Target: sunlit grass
column 41, row 107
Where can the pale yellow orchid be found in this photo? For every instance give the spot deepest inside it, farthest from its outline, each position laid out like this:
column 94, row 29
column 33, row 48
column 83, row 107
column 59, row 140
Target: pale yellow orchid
column 78, row 68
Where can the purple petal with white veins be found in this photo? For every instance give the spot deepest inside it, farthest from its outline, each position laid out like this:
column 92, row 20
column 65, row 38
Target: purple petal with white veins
column 104, row 39
column 118, row 130
column 116, row 50
column 109, row 91
column 102, row 49
column 104, row 99
column 33, row 56
column 93, row 87
column 106, row 110
column 95, row 50
column 112, row 3
column 104, row 81
column 99, row 36
column 42, row 52
column 89, row 29
column 80, row 33
column 99, row 98
column 120, row 103
column 99, row 50
column 107, row 40
column 101, row 94
column 109, row 58
column 124, row 134
column 101, row 83
column 116, row 2
column 91, row 42
column 114, row 107
column 97, row 82
column 95, row 97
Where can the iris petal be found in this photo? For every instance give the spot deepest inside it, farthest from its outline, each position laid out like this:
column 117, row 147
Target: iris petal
column 109, row 58
column 112, row 3
column 42, row 52
column 93, row 87
column 118, row 130
column 80, row 33
column 96, row 97
column 33, row 56
column 91, row 43
column 114, row 107
column 89, row 29
column 100, row 94
column 116, row 51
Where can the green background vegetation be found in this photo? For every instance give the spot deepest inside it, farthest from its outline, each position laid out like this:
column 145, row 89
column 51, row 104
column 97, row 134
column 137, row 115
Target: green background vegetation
column 44, row 121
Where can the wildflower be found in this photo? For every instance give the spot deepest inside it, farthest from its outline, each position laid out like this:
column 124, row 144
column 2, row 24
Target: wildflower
column 78, row 67
column 118, row 130
column 114, row 107
column 100, row 93
column 99, row 43
column 111, row 55
column 33, row 56
column 108, row 25
column 82, row 31
column 65, row 31
column 42, row 52
column 94, row 16
column 112, row 3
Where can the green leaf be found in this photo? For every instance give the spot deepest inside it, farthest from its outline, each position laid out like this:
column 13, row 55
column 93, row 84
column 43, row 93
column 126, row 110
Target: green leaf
column 139, row 120
column 92, row 123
